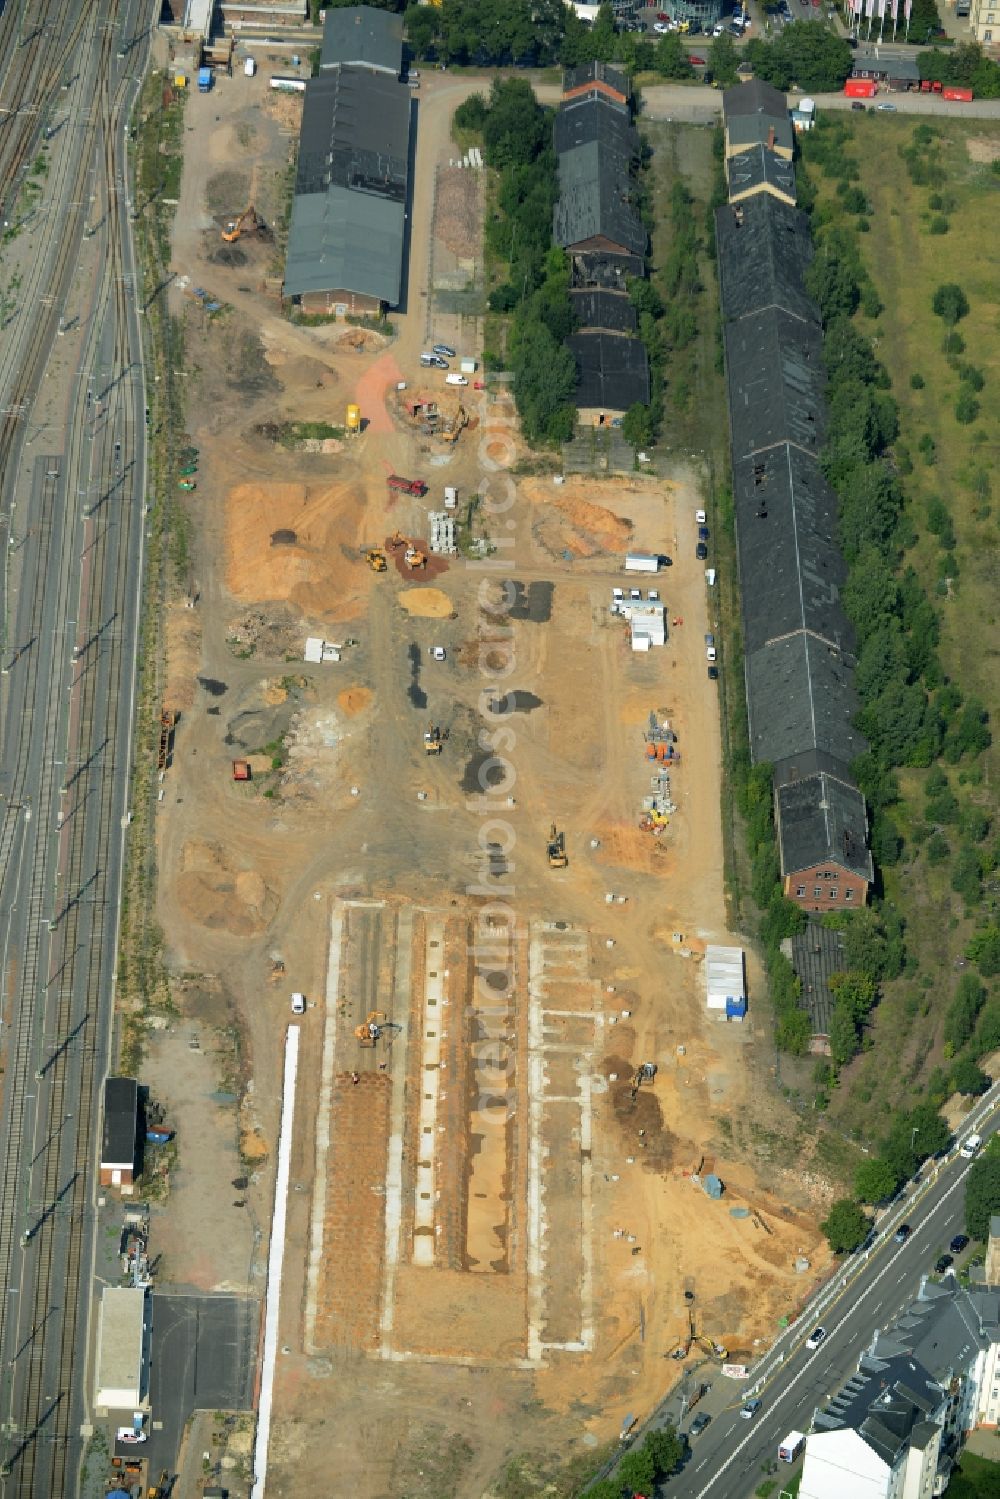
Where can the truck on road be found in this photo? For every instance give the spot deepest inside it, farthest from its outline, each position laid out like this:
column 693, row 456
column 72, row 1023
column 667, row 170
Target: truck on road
column 406, row 486
column 791, row 1446
column 204, row 80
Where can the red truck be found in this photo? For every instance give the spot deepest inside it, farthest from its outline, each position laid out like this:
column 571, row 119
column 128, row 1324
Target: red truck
column 957, row 95
column 406, row 486
column 930, row 86
column 860, row 88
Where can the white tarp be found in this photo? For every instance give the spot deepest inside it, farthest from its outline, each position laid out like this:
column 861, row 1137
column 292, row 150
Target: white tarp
column 724, row 976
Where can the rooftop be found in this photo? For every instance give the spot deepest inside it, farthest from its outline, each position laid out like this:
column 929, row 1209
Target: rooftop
column 758, row 169
column 595, row 200
column 886, row 1408
column 121, row 1348
column 800, row 698
column 362, row 34
column 610, row 310
column 815, row 954
column 764, row 251
column 753, row 98
column 790, row 564
column 777, row 384
column 346, row 241
column 821, row 819
column 944, row 1327
column 584, row 121
column 599, row 269
column 761, row 130
column 597, row 73
column 613, row 371
column 355, row 133
column 121, row 1109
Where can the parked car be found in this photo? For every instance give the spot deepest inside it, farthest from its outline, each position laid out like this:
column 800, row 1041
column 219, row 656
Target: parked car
column 438, row 652
column 857, row 104
column 713, row 673
column 298, row 1004
column 817, row 1336
column 701, row 551
column 661, row 15
column 709, row 639
column 710, row 653
column 942, row 1263
column 958, row 1243
column 718, row 29
column 445, row 349
column 702, row 533
column 696, row 62
column 700, row 517
column 455, row 379
column 751, row 1408
column 698, row 1424
column 902, row 1233
column 887, row 109
column 661, row 28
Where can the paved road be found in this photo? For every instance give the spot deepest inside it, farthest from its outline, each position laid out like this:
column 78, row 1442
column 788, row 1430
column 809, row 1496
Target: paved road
column 691, row 104
column 72, row 398
column 728, row 1459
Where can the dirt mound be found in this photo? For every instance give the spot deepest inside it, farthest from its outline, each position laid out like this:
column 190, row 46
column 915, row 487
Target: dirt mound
column 287, row 543
column 426, row 603
column 354, row 700
column 571, row 522
column 214, row 894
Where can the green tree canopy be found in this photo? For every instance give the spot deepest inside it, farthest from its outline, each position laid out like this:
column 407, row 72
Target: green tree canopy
column 984, row 950
column 845, row 1226
column 875, row 1180
column 982, row 1193
column 969, row 1079
column 950, row 303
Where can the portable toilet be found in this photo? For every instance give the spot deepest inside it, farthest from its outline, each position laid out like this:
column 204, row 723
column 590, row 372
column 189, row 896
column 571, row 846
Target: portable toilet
column 180, row 80
column 354, row 419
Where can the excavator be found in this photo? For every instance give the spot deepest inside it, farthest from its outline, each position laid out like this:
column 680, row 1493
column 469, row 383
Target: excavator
column 432, row 740
column 645, row 1073
column 414, row 559
column 555, row 849
column 716, row 1350
column 369, row 1032
column 396, row 540
column 376, row 560
column 247, row 223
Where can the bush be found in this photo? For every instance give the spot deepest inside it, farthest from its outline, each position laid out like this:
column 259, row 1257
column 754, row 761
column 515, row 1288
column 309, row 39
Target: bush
column 916, row 381
column 982, row 1193
column 938, row 225
column 969, row 1079
column 950, row 303
column 966, row 409
column 846, row 1226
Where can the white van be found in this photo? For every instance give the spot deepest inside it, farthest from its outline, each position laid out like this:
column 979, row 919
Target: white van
column 970, row 1147
column 455, row 380
column 427, row 360
column 250, row 67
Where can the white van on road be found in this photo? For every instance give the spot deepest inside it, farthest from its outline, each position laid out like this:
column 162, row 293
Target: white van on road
column 970, row 1147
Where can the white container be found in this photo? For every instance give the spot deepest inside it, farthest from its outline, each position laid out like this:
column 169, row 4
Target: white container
column 451, row 499
column 455, row 380
column 467, row 366
column 250, row 67
column 641, row 562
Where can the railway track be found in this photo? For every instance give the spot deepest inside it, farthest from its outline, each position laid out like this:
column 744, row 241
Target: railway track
column 67, row 970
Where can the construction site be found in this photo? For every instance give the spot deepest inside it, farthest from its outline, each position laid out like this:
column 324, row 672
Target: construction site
column 415, row 768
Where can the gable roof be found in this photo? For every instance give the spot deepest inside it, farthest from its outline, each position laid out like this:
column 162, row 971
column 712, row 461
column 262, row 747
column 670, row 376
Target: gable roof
column 610, row 310
column 885, row 1406
column 777, row 384
column 944, row 1327
column 602, row 268
column 756, row 170
column 346, row 241
column 754, row 97
column 790, row 564
column 121, row 1112
column 365, row 35
column 594, row 200
column 820, row 820
column 612, row 370
column 583, row 121
column 355, row 133
column 597, row 75
column 761, row 130
column 816, row 954
column 801, row 698
column 764, row 251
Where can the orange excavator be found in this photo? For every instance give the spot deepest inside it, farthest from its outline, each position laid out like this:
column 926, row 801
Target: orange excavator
column 247, row 223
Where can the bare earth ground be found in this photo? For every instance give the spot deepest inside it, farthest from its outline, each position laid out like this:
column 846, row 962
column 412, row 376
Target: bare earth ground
column 489, row 1237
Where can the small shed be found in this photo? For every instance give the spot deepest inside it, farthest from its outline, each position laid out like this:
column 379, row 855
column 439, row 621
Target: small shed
column 713, row 1185
column 122, row 1348
column 121, row 1118
column 724, row 976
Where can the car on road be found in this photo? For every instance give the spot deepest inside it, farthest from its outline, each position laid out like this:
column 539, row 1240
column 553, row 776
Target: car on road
column 701, row 551
column 958, row 1243
column 718, row 29
column 710, row 653
column 713, row 673
column 702, row 533
column 817, row 1336
column 942, row 1263
column 698, row 1425
column 970, row 1147
column 298, row 1004
column 661, row 27
column 129, row 1436
column 696, row 62
column 857, row 104
column 445, row 349
column 902, row 1233
column 751, row 1408
column 887, row 109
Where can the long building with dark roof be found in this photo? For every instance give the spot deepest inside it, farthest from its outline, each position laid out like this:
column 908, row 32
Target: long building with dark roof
column 799, row 644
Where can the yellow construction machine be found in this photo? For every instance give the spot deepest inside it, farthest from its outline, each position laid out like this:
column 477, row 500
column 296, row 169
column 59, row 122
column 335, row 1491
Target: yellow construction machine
column 555, row 849
column 376, row 560
column 247, row 223
column 414, row 559
column 432, row 740
column 368, row 1033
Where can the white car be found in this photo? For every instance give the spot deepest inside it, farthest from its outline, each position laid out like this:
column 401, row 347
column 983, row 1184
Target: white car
column 438, row 652
column 718, row 29
column 700, row 517
column 298, row 1004
column 661, row 28
column 817, row 1336
column 129, row 1435
column 710, row 653
column 455, row 380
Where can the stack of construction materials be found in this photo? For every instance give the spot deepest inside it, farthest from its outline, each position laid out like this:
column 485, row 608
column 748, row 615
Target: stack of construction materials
column 442, row 533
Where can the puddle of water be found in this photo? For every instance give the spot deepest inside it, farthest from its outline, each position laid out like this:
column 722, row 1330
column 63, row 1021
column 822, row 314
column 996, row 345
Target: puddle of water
column 212, row 686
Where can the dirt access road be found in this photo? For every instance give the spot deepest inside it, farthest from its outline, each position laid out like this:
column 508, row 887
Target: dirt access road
column 491, row 1236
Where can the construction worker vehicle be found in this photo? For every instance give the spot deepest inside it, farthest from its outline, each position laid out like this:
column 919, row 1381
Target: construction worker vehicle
column 406, row 486
column 555, row 849
column 432, row 740
column 370, row 1030
column 376, row 560
column 246, row 223
column 414, row 559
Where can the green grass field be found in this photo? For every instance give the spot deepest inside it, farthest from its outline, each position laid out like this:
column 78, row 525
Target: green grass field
column 922, row 235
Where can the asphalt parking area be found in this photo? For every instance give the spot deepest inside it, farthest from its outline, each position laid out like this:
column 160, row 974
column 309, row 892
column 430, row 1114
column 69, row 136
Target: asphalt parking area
column 204, row 1351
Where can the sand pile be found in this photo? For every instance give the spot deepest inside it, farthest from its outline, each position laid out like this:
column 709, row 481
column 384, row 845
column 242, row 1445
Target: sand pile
column 215, row 895
column 568, row 521
column 296, row 544
column 426, row 603
column 353, row 700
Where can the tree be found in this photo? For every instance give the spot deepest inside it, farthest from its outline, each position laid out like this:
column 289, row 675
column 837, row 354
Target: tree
column 638, row 425
column 723, row 61
column 637, row 1470
column 421, row 22
column 666, row 1449
column 963, row 1012
column 846, row 1226
column 950, row 303
column 843, row 1035
column 875, row 1180
column 670, row 57
column 969, row 1079
column 516, row 127
column 984, row 950
column 855, row 991
column 982, row 1193
column 925, row 22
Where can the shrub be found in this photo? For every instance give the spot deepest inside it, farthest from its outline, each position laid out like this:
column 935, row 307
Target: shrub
column 916, row 381
column 966, row 409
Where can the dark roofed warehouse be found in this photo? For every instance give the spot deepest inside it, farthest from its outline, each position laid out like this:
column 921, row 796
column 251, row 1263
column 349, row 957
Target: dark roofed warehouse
column 791, row 567
column 613, row 371
column 355, row 133
column 777, row 383
column 801, row 697
column 609, row 310
column 365, row 35
column 121, row 1122
column 764, row 251
column 822, row 831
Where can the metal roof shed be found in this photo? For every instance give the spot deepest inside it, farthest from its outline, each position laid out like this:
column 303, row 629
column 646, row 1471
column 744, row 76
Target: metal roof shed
column 724, row 976
column 364, row 35
column 122, row 1347
column 344, row 240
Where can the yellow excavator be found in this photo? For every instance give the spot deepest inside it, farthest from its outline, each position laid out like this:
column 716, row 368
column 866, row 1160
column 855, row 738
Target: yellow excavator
column 371, row 1030
column 432, row 740
column 555, row 849
column 247, row 223
column 376, row 560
